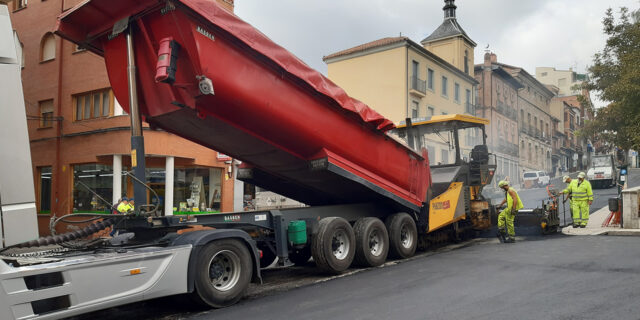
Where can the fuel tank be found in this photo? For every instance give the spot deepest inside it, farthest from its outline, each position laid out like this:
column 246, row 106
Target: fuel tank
column 209, row 77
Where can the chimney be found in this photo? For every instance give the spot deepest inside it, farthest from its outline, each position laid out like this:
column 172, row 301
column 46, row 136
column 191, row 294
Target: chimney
column 494, row 58
column 487, row 59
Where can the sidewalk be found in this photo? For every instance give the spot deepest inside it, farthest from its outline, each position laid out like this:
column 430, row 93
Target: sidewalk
column 594, row 227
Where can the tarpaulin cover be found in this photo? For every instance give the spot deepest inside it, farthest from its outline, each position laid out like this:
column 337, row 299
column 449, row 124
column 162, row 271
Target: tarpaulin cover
column 93, row 16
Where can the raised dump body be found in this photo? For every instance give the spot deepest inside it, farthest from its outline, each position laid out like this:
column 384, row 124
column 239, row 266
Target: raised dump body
column 206, row 75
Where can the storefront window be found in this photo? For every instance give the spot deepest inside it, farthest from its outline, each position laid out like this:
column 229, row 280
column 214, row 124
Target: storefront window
column 45, row 190
column 156, row 181
column 197, row 190
column 95, row 177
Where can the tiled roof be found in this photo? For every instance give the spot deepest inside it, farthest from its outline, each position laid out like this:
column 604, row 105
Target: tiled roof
column 366, row 46
column 449, row 28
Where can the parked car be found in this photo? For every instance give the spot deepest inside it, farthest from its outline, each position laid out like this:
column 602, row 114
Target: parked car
column 535, row 179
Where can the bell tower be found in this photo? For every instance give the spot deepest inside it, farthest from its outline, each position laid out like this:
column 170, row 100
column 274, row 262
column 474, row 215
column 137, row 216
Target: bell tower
column 450, row 42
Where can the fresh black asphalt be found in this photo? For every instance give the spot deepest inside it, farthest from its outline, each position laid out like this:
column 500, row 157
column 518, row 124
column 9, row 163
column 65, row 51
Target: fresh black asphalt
column 561, row 277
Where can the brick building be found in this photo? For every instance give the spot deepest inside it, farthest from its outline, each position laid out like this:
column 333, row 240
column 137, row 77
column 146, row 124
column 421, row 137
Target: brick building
column 80, row 136
column 498, row 102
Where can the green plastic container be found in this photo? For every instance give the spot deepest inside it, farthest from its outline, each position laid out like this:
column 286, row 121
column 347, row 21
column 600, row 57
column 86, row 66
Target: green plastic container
column 297, row 232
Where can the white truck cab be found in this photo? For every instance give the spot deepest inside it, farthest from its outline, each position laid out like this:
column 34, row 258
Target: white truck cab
column 602, row 172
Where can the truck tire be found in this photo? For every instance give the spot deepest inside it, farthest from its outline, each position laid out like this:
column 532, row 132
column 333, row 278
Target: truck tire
column 334, row 245
column 403, row 235
column 300, row 257
column 372, row 242
column 223, row 273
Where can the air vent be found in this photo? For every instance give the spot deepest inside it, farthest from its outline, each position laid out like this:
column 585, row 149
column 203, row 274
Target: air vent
column 50, row 305
column 43, row 281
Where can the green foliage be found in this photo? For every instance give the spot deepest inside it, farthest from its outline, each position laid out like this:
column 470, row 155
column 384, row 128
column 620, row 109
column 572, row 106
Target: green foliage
column 616, row 75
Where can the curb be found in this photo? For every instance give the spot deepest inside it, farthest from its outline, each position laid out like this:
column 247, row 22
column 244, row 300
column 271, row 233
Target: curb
column 625, row 233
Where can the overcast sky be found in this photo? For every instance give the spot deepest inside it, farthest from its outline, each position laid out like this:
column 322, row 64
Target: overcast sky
column 525, row 33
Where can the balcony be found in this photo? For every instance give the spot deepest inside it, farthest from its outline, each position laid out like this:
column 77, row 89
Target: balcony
column 418, row 87
column 470, row 108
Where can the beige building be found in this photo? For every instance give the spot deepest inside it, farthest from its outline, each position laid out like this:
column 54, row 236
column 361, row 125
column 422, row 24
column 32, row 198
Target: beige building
column 401, row 79
column 567, row 81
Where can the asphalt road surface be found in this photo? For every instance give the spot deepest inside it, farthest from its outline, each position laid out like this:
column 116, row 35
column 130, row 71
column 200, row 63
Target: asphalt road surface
column 561, row 277
column 553, row 277
column 557, row 277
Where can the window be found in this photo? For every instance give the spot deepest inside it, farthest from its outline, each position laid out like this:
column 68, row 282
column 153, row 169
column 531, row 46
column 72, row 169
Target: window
column 444, row 113
column 197, row 187
column 98, row 178
column 415, row 109
column 444, row 86
column 44, row 190
column 48, row 47
column 91, row 105
column 544, row 74
column 466, row 61
column 432, row 153
column 431, row 111
column 430, row 75
column 46, row 113
column 444, row 157
column 19, row 4
column 415, row 67
column 456, row 92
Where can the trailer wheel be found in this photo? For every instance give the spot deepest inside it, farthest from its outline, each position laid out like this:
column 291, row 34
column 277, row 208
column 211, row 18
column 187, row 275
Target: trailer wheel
column 333, row 246
column 301, row 256
column 223, row 272
column 403, row 235
column 372, row 242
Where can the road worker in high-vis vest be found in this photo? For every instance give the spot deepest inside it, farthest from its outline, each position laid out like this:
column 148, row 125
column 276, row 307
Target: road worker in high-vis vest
column 581, row 198
column 507, row 215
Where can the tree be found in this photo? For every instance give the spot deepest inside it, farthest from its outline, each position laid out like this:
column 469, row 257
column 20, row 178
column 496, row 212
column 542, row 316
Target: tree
column 615, row 74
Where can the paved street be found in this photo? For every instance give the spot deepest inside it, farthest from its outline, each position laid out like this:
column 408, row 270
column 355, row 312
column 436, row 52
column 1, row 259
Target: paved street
column 544, row 278
column 490, row 281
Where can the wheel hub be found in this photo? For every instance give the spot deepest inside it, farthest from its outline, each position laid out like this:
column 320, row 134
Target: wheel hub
column 406, row 238
column 340, row 245
column 224, row 270
column 375, row 243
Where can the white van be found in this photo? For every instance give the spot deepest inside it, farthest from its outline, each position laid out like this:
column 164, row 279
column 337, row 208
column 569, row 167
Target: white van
column 535, row 179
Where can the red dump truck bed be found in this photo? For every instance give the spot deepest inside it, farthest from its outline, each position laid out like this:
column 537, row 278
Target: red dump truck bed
column 299, row 133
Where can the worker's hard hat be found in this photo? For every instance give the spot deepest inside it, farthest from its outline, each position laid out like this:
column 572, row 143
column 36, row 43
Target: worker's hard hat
column 131, row 199
column 125, row 199
column 581, row 175
column 565, row 179
column 503, row 183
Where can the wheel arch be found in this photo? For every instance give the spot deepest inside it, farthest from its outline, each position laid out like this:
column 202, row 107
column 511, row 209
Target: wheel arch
column 198, row 239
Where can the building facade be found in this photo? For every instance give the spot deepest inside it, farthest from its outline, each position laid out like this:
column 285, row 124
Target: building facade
column 401, row 79
column 568, row 82
column 498, row 102
column 534, row 120
column 562, row 153
column 80, row 136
